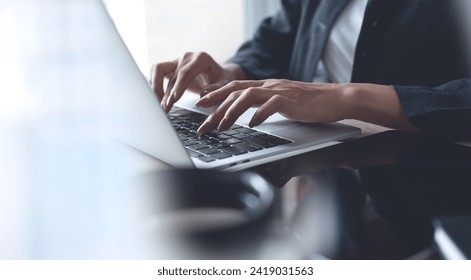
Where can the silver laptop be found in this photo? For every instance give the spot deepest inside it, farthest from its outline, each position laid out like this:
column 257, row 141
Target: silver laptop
column 140, row 122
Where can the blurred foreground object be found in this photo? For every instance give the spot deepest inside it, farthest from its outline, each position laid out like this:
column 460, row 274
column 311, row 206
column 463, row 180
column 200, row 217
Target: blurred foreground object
column 217, row 215
column 452, row 237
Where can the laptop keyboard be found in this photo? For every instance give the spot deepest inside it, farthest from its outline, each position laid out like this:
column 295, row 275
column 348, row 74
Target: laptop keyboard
column 218, row 145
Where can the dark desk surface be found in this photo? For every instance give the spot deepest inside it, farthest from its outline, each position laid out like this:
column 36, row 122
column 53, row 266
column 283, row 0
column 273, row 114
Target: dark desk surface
column 410, row 179
column 385, row 148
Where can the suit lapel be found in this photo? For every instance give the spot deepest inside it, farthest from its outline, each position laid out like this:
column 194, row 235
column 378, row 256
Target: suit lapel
column 315, row 33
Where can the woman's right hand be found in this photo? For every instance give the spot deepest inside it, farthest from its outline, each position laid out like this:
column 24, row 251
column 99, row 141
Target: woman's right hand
column 197, row 72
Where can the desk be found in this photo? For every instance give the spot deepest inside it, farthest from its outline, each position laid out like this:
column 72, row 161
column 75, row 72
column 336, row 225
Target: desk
column 410, row 179
column 370, row 129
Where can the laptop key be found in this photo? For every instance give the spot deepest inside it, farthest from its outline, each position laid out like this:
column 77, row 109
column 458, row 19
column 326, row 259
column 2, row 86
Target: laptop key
column 280, row 141
column 221, row 155
column 206, row 159
column 197, row 122
column 257, row 134
column 220, row 145
column 232, row 141
column 194, row 153
column 183, row 130
column 192, row 134
column 198, row 116
column 200, row 147
column 259, row 142
column 245, row 130
column 213, row 133
column 235, row 150
column 269, row 137
column 230, row 132
column 222, row 137
column 202, row 137
column 249, row 147
column 209, row 151
column 209, row 141
column 190, row 143
column 240, row 136
column 177, row 121
column 175, row 114
column 193, row 127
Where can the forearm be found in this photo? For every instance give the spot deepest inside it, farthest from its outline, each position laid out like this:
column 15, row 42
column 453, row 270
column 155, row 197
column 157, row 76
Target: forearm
column 377, row 104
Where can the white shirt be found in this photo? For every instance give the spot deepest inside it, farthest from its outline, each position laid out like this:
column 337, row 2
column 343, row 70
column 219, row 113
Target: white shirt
column 336, row 64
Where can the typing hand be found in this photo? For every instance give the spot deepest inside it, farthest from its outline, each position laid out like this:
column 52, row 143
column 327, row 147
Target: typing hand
column 305, row 102
column 197, row 72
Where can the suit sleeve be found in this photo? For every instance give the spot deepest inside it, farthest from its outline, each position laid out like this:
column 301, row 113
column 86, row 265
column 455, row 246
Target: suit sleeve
column 444, row 110
column 268, row 53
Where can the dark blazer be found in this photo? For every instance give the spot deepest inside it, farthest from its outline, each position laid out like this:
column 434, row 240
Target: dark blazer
column 414, row 45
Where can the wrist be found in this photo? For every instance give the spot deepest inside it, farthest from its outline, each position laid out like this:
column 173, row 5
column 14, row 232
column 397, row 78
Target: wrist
column 350, row 99
column 377, row 104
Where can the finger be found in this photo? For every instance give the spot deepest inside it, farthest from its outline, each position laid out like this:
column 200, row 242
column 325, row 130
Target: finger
column 152, row 74
column 274, row 105
column 212, row 87
column 165, row 99
column 185, row 76
column 219, row 95
column 214, row 119
column 159, row 72
column 249, row 98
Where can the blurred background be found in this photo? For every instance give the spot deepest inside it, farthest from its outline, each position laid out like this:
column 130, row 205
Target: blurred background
column 64, row 184
column 159, row 30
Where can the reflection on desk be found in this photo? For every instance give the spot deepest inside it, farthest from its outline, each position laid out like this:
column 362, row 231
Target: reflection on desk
column 411, row 179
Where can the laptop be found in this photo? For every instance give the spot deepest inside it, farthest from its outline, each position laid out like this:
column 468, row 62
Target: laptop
column 141, row 123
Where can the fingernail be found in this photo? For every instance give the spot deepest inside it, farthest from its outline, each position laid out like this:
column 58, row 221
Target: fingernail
column 223, row 125
column 168, row 101
column 163, row 103
column 201, row 129
column 201, row 102
column 254, row 121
